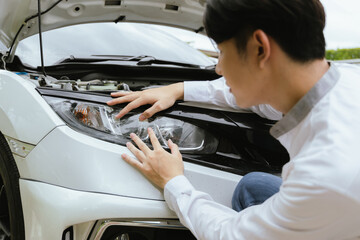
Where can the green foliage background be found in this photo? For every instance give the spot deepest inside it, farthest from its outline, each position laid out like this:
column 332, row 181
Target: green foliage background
column 342, row 54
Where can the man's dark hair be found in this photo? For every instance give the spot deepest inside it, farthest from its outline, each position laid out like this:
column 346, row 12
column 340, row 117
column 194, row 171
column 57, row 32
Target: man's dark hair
column 296, row 25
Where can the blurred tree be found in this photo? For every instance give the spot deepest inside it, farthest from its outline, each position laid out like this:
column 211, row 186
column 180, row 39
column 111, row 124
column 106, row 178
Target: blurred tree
column 342, row 54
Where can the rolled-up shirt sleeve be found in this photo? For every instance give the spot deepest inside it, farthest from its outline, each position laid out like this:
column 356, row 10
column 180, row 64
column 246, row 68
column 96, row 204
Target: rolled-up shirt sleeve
column 298, row 211
column 216, row 92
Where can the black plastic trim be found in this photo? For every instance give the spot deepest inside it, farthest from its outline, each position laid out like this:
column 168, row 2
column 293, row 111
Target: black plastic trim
column 85, row 96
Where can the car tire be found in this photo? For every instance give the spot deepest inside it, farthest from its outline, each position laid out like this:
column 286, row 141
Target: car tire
column 11, row 214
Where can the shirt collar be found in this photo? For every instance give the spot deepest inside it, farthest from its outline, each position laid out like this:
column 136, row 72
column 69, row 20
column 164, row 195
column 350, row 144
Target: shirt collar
column 306, row 103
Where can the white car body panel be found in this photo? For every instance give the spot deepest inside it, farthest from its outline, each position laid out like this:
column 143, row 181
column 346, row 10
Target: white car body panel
column 19, row 117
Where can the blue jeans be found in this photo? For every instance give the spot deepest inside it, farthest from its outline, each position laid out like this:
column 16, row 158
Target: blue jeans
column 254, row 188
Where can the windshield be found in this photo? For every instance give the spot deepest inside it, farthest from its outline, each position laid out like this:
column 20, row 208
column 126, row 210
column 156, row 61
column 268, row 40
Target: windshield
column 126, row 39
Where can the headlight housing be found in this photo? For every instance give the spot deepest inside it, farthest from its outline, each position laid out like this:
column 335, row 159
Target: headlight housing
column 99, row 121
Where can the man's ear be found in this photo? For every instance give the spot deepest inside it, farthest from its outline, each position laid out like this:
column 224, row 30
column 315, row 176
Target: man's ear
column 262, row 42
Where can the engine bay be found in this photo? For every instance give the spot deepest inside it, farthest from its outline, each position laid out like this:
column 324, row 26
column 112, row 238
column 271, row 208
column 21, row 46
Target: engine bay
column 95, row 85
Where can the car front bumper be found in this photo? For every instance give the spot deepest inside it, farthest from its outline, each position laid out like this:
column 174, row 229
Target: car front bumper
column 49, row 210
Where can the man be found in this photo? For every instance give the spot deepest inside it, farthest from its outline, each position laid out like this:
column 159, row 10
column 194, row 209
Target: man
column 271, row 52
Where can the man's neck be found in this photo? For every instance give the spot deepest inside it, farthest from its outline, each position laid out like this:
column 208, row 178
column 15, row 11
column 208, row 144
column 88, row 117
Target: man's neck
column 295, row 81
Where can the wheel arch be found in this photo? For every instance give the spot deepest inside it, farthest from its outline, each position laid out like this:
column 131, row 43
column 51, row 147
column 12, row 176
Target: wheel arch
column 9, row 181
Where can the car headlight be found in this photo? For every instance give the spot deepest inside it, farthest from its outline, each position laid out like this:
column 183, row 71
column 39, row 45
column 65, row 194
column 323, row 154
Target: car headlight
column 99, row 121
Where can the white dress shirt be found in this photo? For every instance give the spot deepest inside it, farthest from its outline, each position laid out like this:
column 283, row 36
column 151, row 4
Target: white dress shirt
column 320, row 194
column 218, row 93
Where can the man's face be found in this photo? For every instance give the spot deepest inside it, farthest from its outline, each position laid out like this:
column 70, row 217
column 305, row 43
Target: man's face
column 241, row 73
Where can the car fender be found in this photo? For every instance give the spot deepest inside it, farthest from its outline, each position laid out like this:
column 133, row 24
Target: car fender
column 24, row 114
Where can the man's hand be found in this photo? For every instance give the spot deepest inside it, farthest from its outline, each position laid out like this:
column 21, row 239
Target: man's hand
column 157, row 165
column 160, row 99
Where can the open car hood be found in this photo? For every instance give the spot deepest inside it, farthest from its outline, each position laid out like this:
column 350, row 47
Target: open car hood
column 18, row 18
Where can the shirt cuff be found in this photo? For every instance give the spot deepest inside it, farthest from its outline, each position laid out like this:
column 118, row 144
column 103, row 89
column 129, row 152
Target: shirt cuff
column 196, row 91
column 175, row 188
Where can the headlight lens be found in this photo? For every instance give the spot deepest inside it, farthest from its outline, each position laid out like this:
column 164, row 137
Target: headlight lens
column 99, row 121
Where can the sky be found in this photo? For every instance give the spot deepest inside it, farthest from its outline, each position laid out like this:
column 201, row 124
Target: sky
column 342, row 27
column 343, row 23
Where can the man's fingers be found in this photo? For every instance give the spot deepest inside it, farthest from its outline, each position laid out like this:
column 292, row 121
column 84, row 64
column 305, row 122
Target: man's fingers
column 120, row 93
column 133, row 162
column 134, row 104
column 150, row 111
column 130, row 96
column 174, row 148
column 124, row 99
column 138, row 154
column 142, row 146
column 154, row 141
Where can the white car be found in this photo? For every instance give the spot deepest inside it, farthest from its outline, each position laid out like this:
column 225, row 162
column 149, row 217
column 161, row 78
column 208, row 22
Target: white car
column 61, row 174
